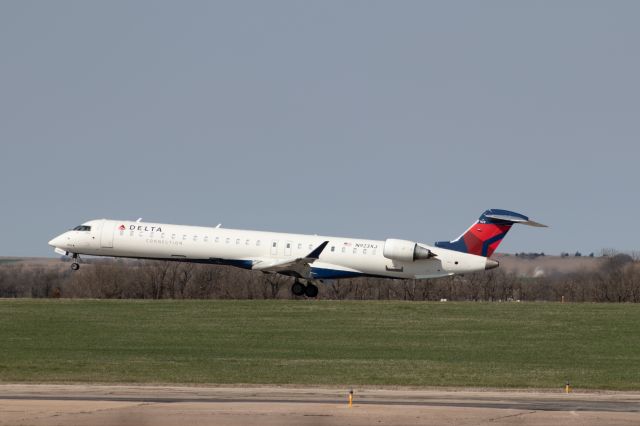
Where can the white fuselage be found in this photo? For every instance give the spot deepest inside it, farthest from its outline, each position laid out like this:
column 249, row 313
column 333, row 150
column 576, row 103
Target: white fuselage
column 341, row 258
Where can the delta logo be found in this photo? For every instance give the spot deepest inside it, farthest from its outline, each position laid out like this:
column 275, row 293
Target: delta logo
column 143, row 228
column 122, row 227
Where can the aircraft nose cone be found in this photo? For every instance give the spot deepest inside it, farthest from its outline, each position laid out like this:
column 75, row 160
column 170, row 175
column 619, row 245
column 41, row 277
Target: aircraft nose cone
column 56, row 242
column 491, row 264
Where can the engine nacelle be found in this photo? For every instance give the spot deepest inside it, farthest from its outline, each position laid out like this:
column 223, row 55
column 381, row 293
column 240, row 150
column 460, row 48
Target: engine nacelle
column 406, row 251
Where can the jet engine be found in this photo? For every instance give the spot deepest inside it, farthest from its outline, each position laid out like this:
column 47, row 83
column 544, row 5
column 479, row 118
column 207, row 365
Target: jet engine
column 407, row 251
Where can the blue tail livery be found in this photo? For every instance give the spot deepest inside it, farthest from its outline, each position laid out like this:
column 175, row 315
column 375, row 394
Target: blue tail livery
column 484, row 236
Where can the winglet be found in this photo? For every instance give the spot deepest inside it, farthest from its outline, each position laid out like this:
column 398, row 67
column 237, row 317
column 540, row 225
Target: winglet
column 316, row 253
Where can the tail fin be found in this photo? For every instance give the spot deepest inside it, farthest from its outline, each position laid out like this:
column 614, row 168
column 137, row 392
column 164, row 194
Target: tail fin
column 484, row 236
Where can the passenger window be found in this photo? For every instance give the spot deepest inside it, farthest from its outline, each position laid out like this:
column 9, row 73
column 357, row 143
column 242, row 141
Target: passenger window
column 274, row 244
column 355, row 250
column 184, row 237
column 373, row 252
column 333, row 248
column 299, row 246
column 162, row 235
column 258, row 243
column 364, row 251
column 131, row 233
column 237, row 240
column 344, row 249
column 173, row 236
column 206, row 238
column 246, row 243
column 288, row 245
column 195, row 238
column 310, row 246
column 227, row 240
column 217, row 240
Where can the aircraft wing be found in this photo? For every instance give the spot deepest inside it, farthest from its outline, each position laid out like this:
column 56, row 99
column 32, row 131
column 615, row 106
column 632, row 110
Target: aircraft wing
column 299, row 265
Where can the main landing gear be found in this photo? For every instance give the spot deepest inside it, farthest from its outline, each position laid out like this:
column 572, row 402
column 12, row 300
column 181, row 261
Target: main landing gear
column 75, row 265
column 299, row 289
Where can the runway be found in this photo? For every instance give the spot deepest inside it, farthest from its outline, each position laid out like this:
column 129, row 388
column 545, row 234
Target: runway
column 45, row 405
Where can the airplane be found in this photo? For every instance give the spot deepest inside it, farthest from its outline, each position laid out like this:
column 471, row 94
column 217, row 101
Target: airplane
column 308, row 258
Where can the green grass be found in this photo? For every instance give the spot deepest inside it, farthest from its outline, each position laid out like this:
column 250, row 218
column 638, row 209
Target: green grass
column 539, row 345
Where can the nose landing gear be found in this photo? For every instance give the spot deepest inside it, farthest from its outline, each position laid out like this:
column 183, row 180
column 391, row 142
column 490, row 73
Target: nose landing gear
column 299, row 289
column 75, row 265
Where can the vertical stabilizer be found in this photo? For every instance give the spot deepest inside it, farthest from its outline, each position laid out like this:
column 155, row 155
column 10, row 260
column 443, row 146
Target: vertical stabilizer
column 485, row 235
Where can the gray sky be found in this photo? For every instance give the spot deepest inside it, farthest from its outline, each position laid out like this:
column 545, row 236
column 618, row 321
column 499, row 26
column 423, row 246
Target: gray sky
column 366, row 119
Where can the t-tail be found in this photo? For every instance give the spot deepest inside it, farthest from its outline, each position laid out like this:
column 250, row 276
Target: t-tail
column 484, row 236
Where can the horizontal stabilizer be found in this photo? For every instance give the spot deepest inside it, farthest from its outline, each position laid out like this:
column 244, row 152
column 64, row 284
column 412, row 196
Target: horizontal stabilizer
column 519, row 219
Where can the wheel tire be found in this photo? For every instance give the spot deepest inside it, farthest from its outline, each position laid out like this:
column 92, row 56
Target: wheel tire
column 75, row 266
column 298, row 289
column 311, row 290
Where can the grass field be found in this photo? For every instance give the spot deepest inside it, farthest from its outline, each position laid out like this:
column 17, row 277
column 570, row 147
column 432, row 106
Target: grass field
column 540, row 345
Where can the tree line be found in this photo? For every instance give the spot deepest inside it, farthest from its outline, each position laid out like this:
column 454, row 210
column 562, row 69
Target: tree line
column 617, row 280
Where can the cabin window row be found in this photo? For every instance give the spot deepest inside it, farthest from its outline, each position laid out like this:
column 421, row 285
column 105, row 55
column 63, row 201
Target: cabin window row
column 247, row 242
column 344, row 249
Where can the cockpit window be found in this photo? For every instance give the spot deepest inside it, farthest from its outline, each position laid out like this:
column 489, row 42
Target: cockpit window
column 82, row 228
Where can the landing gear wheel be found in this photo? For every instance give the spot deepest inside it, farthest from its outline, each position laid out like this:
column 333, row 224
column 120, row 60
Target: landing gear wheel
column 311, row 290
column 298, row 288
column 75, row 266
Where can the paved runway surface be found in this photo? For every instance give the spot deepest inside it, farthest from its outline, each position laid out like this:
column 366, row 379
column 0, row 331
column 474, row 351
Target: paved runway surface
column 45, row 405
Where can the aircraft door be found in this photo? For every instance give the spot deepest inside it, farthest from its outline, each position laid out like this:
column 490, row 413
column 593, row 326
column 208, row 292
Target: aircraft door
column 106, row 236
column 287, row 248
column 274, row 248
